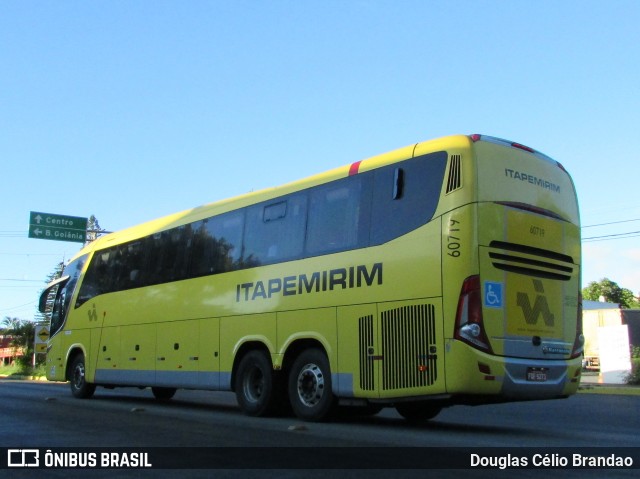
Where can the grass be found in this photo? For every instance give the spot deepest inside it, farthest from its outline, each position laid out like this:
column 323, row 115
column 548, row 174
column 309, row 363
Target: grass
column 19, row 370
column 634, row 377
column 630, row 388
column 609, row 389
column 8, row 370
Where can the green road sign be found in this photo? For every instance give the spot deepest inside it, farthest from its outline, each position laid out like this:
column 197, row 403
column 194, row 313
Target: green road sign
column 57, row 227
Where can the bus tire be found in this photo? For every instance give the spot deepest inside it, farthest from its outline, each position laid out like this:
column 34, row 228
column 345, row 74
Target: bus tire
column 368, row 410
column 310, row 386
column 254, row 384
column 163, row 394
column 418, row 412
column 80, row 388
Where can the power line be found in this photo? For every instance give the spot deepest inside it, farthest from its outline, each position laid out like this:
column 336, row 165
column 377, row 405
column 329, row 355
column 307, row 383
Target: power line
column 612, row 223
column 20, row 306
column 630, row 234
column 29, row 254
column 612, row 236
column 13, row 234
column 23, row 280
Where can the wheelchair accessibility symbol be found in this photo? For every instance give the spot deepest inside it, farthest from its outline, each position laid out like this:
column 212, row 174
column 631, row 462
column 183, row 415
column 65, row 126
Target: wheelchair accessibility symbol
column 493, row 295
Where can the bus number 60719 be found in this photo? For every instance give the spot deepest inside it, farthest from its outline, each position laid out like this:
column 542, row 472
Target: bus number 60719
column 453, row 242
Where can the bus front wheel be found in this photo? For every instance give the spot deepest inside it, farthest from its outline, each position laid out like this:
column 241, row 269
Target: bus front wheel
column 254, row 384
column 310, row 386
column 80, row 388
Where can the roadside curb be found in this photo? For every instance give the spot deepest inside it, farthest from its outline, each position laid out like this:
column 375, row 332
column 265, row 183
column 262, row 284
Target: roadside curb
column 590, row 388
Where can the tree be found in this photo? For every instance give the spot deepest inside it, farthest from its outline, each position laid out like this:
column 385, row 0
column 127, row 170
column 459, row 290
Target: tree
column 9, row 325
column 93, row 229
column 611, row 292
column 7, row 328
column 23, row 336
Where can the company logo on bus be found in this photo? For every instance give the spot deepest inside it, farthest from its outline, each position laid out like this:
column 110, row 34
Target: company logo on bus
column 328, row 280
column 540, row 306
column 534, row 180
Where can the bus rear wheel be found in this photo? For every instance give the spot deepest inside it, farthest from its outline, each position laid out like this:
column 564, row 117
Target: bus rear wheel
column 80, row 388
column 255, row 384
column 310, row 386
column 163, row 394
column 418, row 412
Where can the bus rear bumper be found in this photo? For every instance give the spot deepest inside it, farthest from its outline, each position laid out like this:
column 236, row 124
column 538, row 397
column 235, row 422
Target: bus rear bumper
column 499, row 378
column 531, row 379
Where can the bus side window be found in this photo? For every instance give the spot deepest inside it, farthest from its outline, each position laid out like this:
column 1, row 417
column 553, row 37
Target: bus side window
column 406, row 196
column 170, row 255
column 338, row 216
column 130, row 262
column 216, row 244
column 275, row 231
column 96, row 279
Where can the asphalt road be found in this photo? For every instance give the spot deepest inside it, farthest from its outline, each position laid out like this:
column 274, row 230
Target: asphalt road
column 45, row 415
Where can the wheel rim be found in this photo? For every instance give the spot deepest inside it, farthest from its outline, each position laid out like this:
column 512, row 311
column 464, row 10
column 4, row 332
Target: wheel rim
column 78, row 376
column 310, row 385
column 253, row 385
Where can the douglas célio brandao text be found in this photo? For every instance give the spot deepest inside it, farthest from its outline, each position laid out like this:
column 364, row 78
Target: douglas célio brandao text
column 550, row 460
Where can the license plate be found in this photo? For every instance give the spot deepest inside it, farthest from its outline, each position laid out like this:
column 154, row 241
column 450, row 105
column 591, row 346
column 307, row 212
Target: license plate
column 537, row 375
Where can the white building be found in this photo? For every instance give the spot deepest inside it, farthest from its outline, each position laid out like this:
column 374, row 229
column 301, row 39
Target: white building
column 609, row 331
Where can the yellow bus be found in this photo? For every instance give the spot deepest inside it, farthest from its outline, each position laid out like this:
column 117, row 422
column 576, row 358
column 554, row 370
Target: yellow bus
column 446, row 272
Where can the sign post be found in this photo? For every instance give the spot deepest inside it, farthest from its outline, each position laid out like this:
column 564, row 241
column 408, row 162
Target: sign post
column 41, row 338
column 57, row 227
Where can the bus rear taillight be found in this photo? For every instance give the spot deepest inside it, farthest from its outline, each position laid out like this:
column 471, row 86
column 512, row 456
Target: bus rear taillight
column 469, row 323
column 562, row 167
column 500, row 141
column 523, row 147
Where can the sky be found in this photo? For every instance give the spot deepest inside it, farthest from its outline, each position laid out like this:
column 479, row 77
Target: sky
column 131, row 110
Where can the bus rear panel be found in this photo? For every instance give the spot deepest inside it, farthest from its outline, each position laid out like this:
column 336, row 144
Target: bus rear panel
column 518, row 325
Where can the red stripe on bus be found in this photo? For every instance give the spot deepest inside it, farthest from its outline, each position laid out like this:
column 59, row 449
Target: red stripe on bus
column 353, row 170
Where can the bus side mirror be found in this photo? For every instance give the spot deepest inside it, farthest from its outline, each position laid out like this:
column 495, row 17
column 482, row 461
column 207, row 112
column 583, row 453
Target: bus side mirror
column 42, row 304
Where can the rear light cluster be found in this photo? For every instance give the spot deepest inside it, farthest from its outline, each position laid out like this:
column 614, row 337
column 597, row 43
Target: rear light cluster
column 523, row 147
column 469, row 324
column 476, row 137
